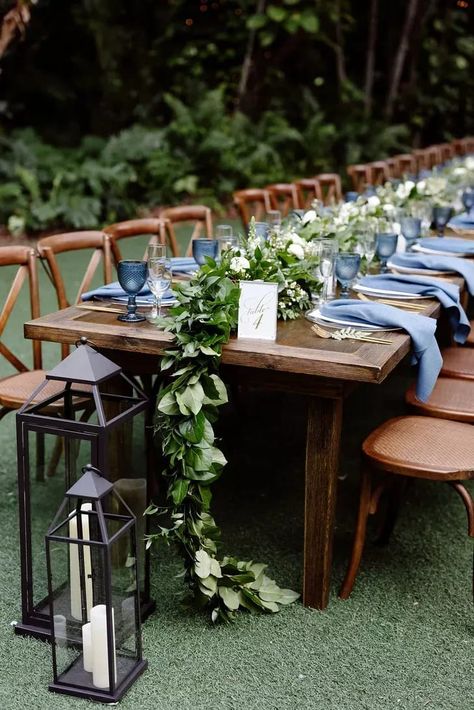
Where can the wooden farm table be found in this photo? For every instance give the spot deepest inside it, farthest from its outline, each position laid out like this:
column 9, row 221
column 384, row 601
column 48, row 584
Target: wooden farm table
column 326, row 371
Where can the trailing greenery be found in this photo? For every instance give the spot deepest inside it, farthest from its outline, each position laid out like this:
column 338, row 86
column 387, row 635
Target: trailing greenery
column 186, row 411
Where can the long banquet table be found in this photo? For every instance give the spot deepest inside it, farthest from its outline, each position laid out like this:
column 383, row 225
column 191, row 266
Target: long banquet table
column 325, row 371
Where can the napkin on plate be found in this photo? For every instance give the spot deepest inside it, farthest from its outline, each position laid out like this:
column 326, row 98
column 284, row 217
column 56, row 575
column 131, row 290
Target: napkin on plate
column 437, row 262
column 446, row 293
column 451, row 245
column 420, row 328
column 114, row 290
column 183, row 264
column 463, row 221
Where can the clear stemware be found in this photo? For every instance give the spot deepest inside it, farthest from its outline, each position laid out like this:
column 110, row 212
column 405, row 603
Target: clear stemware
column 347, row 267
column 156, row 251
column 327, row 255
column 159, row 278
column 274, row 220
column 132, row 277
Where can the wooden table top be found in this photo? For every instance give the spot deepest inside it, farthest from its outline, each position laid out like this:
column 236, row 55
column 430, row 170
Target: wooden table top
column 297, row 349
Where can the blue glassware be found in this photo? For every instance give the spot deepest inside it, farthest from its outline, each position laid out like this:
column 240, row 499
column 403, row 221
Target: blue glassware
column 468, row 199
column 203, row 248
column 351, row 196
column 132, row 277
column 385, row 245
column 441, row 217
column 411, row 230
column 370, row 191
column 347, row 267
column 262, row 230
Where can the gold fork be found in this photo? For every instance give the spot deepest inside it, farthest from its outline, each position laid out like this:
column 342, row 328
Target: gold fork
column 390, row 302
column 348, row 334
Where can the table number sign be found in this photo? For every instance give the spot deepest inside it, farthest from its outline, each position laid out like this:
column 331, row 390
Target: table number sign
column 258, row 309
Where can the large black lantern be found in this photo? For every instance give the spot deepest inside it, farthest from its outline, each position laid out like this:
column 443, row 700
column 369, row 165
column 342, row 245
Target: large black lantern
column 91, row 557
column 82, row 412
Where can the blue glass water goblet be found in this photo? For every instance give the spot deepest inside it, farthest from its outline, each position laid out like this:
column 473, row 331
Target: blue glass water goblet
column 347, row 268
column 351, row 196
column 468, row 199
column 203, row 248
column 411, row 230
column 132, row 277
column 441, row 217
column 385, row 245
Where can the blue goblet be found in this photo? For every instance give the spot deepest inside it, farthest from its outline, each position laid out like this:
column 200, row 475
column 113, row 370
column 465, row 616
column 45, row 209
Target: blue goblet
column 411, row 230
column 262, row 230
column 351, row 196
column 132, row 277
column 347, row 267
column 203, row 248
column 385, row 245
column 441, row 217
column 468, row 199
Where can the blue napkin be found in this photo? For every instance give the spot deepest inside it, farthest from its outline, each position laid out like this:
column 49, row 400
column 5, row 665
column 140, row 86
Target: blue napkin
column 420, row 328
column 114, row 290
column 448, row 244
column 183, row 264
column 418, row 260
column 446, row 293
column 464, row 220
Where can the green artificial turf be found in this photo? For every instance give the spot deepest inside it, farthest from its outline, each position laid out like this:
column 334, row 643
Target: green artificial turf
column 403, row 640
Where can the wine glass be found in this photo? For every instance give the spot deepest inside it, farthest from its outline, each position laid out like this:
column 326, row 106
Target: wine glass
column 327, row 254
column 274, row 220
column 225, row 238
column 347, row 266
column 132, row 277
column 158, row 279
column 441, row 217
column 203, row 248
column 156, row 251
column 224, row 231
column 368, row 247
column 410, row 227
column 385, row 245
column 351, row 196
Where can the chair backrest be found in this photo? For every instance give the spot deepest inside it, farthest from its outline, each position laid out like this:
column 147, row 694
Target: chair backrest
column 463, row 146
column 309, row 190
column 360, row 176
column 253, row 202
column 446, row 151
column 152, row 226
column 405, row 164
column 25, row 258
column 426, row 158
column 331, row 187
column 379, row 172
column 200, row 215
column 284, row 196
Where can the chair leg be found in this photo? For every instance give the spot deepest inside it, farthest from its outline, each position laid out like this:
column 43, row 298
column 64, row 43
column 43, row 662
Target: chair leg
column 394, row 497
column 359, row 535
column 468, row 502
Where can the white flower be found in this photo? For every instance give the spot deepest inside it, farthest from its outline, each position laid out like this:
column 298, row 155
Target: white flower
column 401, row 191
column 388, row 208
column 308, row 217
column 469, row 162
column 409, row 185
column 373, row 201
column 396, row 226
column 459, row 171
column 296, row 239
column 239, row 264
column 421, row 186
column 297, row 250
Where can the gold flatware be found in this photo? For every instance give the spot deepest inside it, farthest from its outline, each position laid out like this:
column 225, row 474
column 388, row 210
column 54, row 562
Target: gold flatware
column 348, row 334
column 391, row 302
column 103, row 309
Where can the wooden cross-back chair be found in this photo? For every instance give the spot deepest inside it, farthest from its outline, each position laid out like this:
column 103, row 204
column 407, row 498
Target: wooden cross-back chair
column 309, row 190
column 284, row 196
column 360, row 176
column 405, row 164
column 254, row 202
column 331, row 187
column 154, row 227
column 446, row 151
column 379, row 172
column 463, row 146
column 200, row 215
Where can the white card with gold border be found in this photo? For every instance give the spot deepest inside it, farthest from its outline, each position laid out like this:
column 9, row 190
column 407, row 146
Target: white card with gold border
column 258, row 310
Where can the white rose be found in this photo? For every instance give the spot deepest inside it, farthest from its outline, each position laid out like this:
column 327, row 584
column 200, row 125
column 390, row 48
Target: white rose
column 373, row 201
column 401, row 191
column 421, row 186
column 469, row 163
column 409, row 185
column 459, row 171
column 388, row 208
column 239, row 264
column 296, row 239
column 308, row 217
column 296, row 250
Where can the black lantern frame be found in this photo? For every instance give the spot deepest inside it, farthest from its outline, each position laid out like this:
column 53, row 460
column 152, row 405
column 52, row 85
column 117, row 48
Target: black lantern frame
column 79, row 383
column 100, row 664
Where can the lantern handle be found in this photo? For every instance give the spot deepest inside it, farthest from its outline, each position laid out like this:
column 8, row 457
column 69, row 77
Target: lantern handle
column 89, row 467
column 84, row 340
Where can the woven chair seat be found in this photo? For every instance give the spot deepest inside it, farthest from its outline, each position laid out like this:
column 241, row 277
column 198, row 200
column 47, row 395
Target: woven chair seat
column 450, row 399
column 17, row 389
column 458, row 362
column 423, row 447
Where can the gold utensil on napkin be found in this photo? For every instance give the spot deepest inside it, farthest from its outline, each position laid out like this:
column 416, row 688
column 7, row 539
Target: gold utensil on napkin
column 391, row 302
column 348, row 334
column 104, row 309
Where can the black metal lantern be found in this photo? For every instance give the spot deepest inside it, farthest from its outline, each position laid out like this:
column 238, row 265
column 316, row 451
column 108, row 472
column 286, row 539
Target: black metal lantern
column 91, row 561
column 84, row 409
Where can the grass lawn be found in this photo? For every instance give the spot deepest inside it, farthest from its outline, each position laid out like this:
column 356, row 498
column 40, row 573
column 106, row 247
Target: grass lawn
column 403, row 641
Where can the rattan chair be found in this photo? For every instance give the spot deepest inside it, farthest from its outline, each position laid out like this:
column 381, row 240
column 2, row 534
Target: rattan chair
column 407, row 448
column 253, row 202
column 458, row 362
column 451, row 399
column 284, row 196
column 199, row 215
column 154, row 228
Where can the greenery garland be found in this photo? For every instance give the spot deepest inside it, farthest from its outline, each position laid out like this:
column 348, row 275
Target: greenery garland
column 187, row 407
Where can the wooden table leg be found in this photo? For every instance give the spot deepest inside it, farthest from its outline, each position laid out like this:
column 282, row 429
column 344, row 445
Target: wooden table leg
column 322, row 461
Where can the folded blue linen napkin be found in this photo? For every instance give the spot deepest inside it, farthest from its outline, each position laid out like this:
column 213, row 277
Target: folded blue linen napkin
column 114, row 290
column 183, row 264
column 447, row 294
column 418, row 260
column 420, row 328
column 448, row 244
column 464, row 220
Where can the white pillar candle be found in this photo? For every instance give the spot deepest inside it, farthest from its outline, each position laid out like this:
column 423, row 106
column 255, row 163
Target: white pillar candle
column 87, row 656
column 100, row 655
column 74, row 570
column 59, row 622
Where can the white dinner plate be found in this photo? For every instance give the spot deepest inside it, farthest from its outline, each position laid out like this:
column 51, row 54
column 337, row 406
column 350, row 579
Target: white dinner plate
column 418, row 272
column 316, row 317
column 385, row 293
column 425, row 250
column 144, row 301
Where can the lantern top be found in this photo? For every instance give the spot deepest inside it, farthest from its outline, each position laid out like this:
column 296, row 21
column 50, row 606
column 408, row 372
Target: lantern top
column 90, row 485
column 84, row 365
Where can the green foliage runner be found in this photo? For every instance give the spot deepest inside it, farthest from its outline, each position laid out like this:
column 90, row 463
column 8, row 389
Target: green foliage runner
column 187, row 408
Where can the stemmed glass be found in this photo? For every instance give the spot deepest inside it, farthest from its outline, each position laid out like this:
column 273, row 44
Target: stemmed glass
column 441, row 217
column 410, row 227
column 347, row 267
column 468, row 199
column 203, row 248
column 385, row 246
column 158, row 279
column 327, row 254
column 156, row 251
column 132, row 277
column 262, row 230
column 225, row 238
column 224, row 231
column 274, row 220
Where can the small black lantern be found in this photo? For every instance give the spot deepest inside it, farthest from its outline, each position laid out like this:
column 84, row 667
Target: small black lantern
column 93, row 592
column 84, row 408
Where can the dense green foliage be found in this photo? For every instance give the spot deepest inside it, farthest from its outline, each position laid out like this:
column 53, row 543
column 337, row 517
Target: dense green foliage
column 197, row 99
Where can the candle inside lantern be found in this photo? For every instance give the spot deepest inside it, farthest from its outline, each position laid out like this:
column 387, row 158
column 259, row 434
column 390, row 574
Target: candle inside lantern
column 74, row 568
column 100, row 650
column 87, row 655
